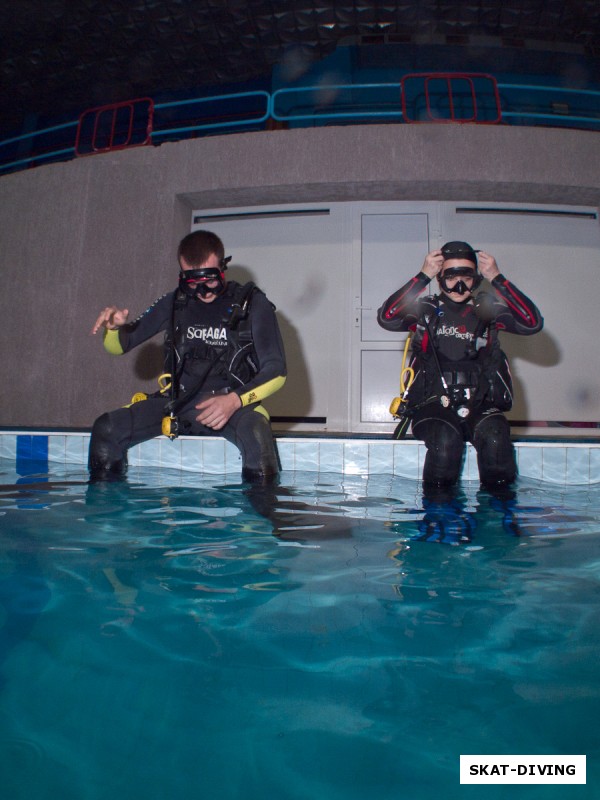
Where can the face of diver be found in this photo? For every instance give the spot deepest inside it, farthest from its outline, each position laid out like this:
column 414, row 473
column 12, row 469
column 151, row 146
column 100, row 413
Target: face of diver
column 458, row 279
column 206, row 295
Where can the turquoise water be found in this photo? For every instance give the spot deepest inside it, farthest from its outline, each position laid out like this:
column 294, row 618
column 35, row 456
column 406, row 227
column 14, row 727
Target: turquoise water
column 179, row 637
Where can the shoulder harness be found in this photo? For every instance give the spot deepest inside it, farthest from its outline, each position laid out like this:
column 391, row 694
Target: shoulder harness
column 485, row 360
column 237, row 360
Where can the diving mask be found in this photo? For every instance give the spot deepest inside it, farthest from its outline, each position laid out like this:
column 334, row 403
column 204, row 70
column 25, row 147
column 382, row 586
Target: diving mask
column 460, row 287
column 195, row 281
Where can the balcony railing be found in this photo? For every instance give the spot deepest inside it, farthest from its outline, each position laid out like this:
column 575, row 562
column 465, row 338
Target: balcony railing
column 447, row 98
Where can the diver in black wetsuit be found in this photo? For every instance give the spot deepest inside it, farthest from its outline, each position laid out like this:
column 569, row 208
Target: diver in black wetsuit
column 223, row 347
column 462, row 381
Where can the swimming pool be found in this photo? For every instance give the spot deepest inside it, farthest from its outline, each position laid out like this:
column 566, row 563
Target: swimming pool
column 181, row 636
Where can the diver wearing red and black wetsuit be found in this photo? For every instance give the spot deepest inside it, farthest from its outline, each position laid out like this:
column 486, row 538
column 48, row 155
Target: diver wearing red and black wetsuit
column 462, row 383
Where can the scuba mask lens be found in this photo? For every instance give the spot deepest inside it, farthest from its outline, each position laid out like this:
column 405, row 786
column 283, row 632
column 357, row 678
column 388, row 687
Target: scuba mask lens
column 195, row 281
column 460, row 287
column 464, row 252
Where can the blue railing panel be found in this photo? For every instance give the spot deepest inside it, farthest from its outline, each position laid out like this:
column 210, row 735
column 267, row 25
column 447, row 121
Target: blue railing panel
column 527, row 104
column 217, row 113
column 321, row 101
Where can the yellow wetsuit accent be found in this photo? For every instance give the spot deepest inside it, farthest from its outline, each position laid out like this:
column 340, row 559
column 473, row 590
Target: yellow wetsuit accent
column 112, row 343
column 264, row 390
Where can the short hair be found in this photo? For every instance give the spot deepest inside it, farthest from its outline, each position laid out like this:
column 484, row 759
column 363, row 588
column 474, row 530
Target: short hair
column 197, row 247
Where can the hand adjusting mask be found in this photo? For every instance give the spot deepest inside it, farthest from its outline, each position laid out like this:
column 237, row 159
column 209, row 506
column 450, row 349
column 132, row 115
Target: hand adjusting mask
column 194, row 281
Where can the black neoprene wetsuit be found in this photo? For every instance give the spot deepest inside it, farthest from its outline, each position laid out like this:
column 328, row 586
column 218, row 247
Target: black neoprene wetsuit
column 209, row 358
column 478, row 385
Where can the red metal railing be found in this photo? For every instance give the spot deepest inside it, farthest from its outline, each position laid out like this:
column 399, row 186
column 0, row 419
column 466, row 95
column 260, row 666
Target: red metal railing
column 115, row 127
column 450, row 97
column 445, row 97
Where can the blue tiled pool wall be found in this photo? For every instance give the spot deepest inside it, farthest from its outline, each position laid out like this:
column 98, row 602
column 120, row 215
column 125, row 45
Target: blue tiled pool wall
column 555, row 462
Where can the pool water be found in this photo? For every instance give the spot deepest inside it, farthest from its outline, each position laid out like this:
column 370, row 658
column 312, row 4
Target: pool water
column 335, row 638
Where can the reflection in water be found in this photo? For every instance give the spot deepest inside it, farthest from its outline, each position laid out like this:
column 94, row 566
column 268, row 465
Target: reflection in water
column 183, row 636
column 450, row 516
column 295, row 518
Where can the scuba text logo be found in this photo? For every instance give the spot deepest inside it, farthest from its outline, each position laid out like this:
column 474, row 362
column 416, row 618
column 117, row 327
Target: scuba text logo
column 455, row 331
column 212, row 336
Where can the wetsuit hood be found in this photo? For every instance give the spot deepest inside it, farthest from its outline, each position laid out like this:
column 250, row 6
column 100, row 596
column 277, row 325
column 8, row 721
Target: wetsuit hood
column 459, row 250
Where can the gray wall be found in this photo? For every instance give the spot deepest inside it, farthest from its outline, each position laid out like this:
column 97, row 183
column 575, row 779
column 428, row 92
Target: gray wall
column 75, row 237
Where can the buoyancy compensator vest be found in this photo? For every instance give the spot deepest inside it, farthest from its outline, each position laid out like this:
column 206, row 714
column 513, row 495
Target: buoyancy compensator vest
column 481, row 377
column 224, row 349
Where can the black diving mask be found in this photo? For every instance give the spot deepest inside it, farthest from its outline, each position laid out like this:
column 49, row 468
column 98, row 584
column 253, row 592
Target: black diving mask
column 195, row 281
column 460, row 287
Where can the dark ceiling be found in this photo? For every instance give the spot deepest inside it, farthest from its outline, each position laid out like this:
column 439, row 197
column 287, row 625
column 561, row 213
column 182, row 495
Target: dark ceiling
column 64, row 56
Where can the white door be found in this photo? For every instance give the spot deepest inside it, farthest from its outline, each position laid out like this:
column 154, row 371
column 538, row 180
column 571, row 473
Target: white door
column 393, row 247
column 298, row 254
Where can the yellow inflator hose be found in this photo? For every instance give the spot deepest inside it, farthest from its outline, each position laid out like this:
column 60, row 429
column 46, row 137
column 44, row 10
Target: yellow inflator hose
column 407, row 376
column 164, row 384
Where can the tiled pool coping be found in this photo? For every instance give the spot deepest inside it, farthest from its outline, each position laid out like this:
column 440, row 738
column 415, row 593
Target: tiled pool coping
column 554, row 462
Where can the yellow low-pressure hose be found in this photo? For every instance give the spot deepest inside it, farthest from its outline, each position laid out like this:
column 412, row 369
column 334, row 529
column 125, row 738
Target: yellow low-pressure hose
column 405, row 383
column 164, row 382
column 407, row 376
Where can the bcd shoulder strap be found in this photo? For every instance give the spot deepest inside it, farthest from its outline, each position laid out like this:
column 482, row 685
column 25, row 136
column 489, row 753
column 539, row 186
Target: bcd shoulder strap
column 241, row 304
column 237, row 313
